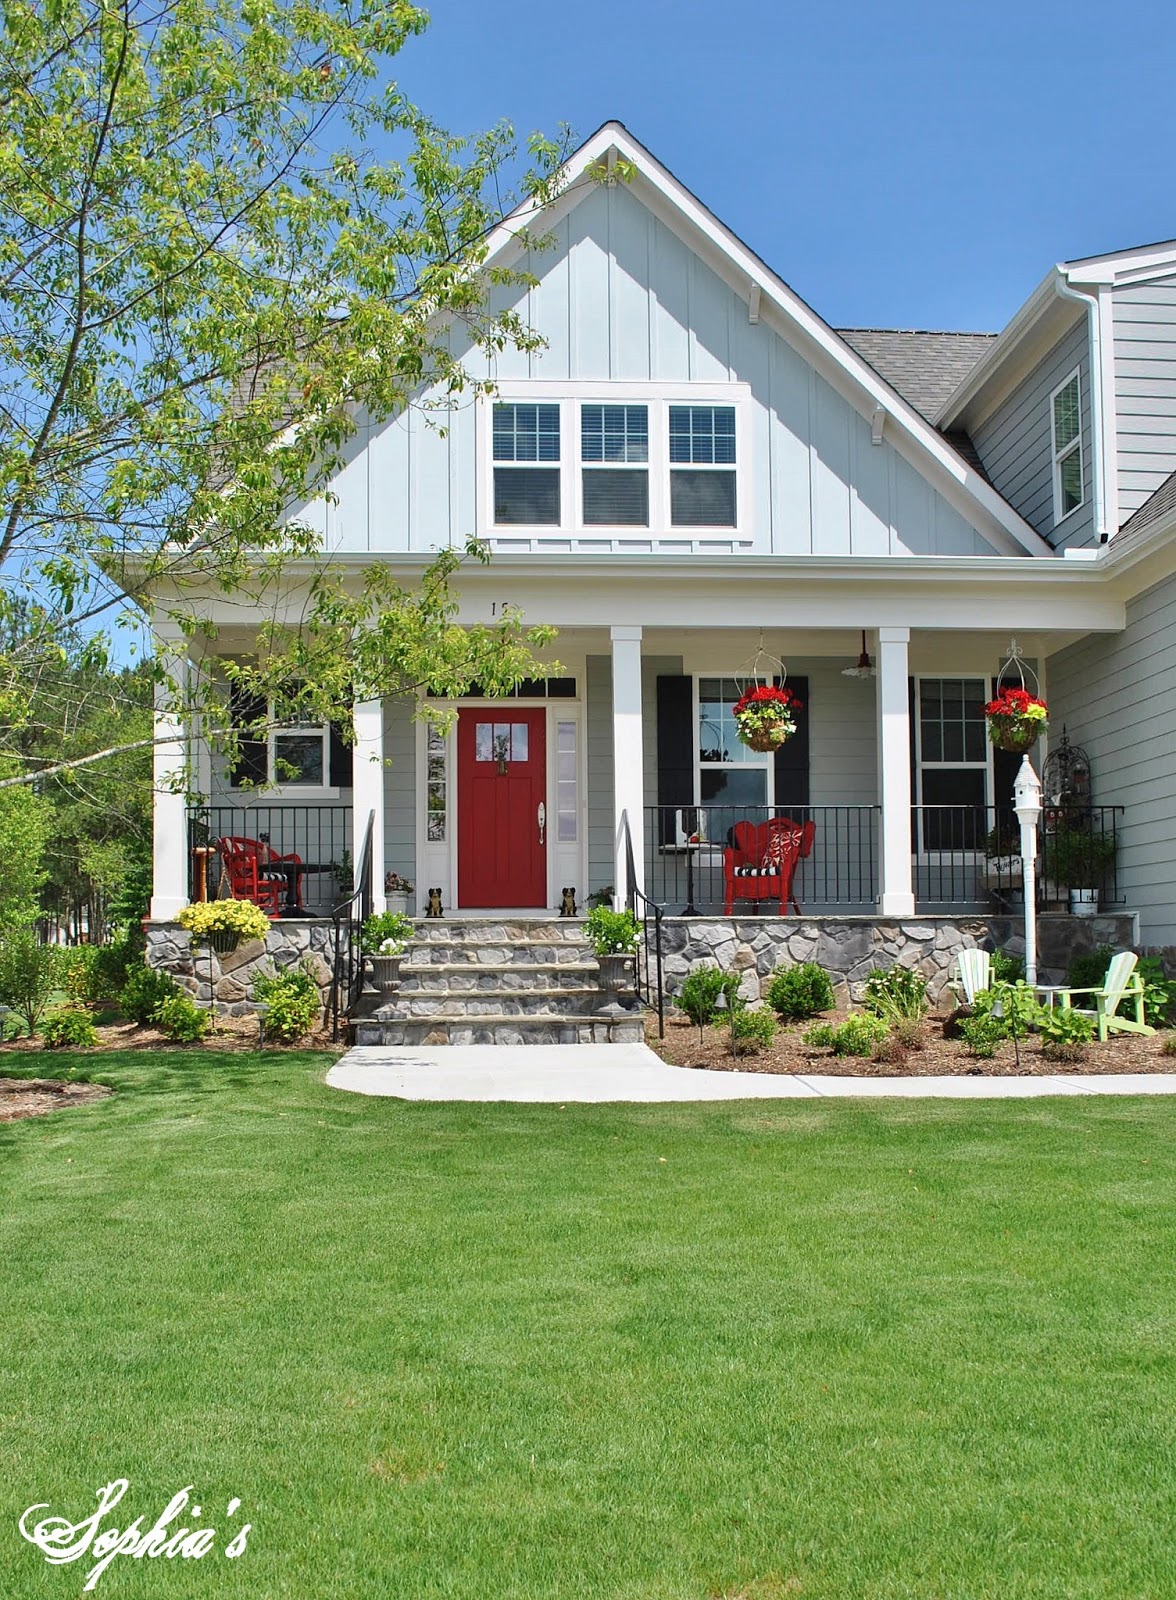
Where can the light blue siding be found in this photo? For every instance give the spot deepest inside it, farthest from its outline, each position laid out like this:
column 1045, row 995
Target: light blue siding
column 620, row 298
column 1113, row 694
column 1145, row 388
column 1016, row 443
column 399, row 792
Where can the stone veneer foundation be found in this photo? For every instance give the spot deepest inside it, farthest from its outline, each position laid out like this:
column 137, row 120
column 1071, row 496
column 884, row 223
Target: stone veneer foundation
column 228, row 979
column 849, row 947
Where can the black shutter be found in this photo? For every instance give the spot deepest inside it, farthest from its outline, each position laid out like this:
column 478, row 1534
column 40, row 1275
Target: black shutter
column 792, row 758
column 916, row 796
column 341, row 765
column 675, row 749
column 252, row 764
column 1005, row 766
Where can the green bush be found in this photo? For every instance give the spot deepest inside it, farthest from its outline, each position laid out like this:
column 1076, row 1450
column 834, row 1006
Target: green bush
column 895, row 992
column 1159, row 992
column 1018, row 1005
column 293, row 1000
column 752, row 1031
column 145, row 991
column 797, row 993
column 1088, row 969
column 69, row 1027
column 983, row 1032
column 909, row 1032
column 612, row 933
column 30, row 973
column 1168, row 1048
column 382, row 927
column 699, row 994
column 1006, row 968
column 1064, row 1033
column 858, row 1035
column 182, row 1019
column 113, row 965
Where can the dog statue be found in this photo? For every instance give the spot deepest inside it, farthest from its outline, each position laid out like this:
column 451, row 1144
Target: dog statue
column 567, row 903
column 435, row 908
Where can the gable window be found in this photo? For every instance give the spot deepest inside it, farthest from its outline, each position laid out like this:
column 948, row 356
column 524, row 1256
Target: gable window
column 1066, row 417
column 526, row 465
column 729, row 773
column 952, row 763
column 614, row 452
column 702, row 466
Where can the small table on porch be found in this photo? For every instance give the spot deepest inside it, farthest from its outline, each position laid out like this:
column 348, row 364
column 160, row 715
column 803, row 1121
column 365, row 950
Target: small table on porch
column 690, row 849
column 291, row 871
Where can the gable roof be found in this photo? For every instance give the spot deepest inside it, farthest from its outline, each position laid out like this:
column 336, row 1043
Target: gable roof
column 1157, row 507
column 926, row 367
column 770, row 299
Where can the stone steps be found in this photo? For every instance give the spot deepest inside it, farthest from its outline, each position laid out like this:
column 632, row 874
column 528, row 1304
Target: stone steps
column 494, row 980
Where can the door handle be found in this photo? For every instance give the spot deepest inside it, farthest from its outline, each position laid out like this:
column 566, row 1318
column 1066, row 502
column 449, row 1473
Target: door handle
column 541, row 816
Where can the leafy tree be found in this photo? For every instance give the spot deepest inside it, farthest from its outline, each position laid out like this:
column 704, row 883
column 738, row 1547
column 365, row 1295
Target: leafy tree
column 202, row 292
column 24, row 830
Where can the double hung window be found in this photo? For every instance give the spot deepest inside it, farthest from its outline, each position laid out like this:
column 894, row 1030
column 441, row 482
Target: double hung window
column 1066, row 419
column 953, row 762
column 526, row 465
column 702, row 466
column 614, row 455
column 729, row 773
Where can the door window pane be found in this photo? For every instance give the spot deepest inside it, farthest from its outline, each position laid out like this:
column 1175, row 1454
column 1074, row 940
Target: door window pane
column 518, row 741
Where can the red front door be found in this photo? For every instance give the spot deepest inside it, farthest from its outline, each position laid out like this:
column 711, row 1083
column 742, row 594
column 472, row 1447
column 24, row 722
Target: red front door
column 501, row 784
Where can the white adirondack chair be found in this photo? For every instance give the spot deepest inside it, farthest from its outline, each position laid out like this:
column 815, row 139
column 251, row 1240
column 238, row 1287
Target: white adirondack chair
column 1121, row 984
column 973, row 973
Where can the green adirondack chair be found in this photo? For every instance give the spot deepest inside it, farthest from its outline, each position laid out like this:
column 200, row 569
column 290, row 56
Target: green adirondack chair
column 1122, row 986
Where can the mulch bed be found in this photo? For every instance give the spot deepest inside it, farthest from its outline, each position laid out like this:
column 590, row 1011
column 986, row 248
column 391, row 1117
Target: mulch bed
column 33, row 1097
column 1123, row 1052
column 232, row 1034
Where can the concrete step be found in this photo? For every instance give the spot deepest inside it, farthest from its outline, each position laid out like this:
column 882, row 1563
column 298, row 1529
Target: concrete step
column 497, row 930
column 508, row 953
column 621, row 1028
column 497, row 977
column 483, row 1003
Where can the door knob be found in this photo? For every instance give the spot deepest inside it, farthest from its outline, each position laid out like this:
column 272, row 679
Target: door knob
column 541, row 815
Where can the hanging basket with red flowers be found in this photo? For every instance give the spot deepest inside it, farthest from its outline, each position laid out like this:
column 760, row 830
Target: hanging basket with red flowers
column 764, row 717
column 1016, row 720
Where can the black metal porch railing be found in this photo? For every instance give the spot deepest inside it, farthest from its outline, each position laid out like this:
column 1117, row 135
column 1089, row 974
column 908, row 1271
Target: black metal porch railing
column 347, row 920
column 684, row 867
column 970, row 856
column 649, row 977
column 321, row 835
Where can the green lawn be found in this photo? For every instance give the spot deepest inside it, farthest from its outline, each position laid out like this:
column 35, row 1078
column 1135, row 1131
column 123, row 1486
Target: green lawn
column 837, row 1350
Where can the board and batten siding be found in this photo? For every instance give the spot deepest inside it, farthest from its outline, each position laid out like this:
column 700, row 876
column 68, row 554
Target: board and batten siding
column 1114, row 696
column 619, row 297
column 1145, row 388
column 1015, row 443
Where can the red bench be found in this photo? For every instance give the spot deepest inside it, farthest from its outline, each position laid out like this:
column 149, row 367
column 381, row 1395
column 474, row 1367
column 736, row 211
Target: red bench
column 761, row 864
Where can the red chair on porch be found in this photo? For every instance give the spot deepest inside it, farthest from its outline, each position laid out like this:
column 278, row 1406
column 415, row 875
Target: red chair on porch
column 761, row 864
column 250, row 866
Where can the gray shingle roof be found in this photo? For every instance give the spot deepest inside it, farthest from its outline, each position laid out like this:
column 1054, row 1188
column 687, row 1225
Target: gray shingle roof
column 1158, row 504
column 925, row 367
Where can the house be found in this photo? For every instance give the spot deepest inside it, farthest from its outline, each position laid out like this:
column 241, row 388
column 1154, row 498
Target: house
column 701, row 484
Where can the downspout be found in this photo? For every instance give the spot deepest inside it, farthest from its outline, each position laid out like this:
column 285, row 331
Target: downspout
column 1097, row 442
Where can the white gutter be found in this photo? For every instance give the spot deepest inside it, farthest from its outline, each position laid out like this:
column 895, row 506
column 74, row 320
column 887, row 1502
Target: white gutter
column 1090, row 300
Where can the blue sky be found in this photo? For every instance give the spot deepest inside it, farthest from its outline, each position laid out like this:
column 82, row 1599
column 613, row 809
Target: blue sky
column 900, row 165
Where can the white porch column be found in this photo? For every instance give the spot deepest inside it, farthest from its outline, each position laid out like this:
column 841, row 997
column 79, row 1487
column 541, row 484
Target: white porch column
column 895, row 887
column 367, row 790
column 628, row 754
column 169, row 881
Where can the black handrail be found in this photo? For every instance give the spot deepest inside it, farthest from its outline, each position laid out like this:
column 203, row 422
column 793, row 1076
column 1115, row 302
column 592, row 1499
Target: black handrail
column 649, row 993
column 350, row 915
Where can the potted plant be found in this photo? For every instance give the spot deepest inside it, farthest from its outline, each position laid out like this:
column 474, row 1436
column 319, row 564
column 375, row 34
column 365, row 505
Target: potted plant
column 764, row 716
column 397, row 891
column 223, row 924
column 1080, row 860
column 613, row 936
column 344, row 870
column 1016, row 720
column 382, row 941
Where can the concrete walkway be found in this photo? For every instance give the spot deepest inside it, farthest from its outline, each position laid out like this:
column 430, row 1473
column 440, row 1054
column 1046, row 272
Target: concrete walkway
column 617, row 1072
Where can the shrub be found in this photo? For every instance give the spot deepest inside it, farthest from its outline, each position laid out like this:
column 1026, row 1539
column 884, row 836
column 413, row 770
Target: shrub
column 29, row 975
column 112, row 966
column 698, row 996
column 1168, row 1048
column 1006, row 968
column 1159, row 992
column 145, row 991
column 797, row 993
column 208, row 917
column 752, row 1031
column 983, row 1032
column 612, row 933
column 1064, row 1033
column 856, row 1036
column 292, row 997
column 182, row 1019
column 909, row 1032
column 1018, row 1005
column 891, row 1050
column 76, row 969
column 1088, row 969
column 896, row 992
column 69, row 1026
column 386, row 928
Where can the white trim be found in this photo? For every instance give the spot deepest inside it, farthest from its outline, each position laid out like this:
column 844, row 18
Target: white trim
column 658, row 398
column 852, row 377
column 1058, row 457
column 896, row 892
